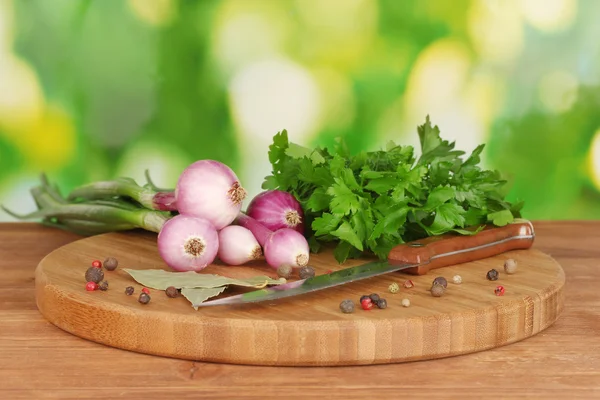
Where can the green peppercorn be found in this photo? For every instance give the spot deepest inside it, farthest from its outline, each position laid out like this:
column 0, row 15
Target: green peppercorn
column 440, row 280
column 129, row 290
column 374, row 297
column 103, row 286
column 381, row 303
column 144, row 298
column 94, row 274
column 285, row 271
column 307, row 272
column 111, row 263
column 172, row 292
column 394, row 288
column 347, row 306
column 492, row 275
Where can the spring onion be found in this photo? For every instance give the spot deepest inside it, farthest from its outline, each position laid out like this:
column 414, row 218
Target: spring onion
column 281, row 247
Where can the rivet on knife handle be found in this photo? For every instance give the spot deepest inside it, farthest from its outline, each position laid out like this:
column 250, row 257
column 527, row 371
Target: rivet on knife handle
column 452, row 249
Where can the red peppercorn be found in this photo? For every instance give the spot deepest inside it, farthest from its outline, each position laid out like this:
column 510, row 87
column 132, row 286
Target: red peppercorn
column 145, row 290
column 499, row 290
column 91, row 286
column 96, row 264
column 366, row 304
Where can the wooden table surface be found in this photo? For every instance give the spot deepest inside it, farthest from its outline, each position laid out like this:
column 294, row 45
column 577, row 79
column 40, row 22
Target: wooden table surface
column 38, row 360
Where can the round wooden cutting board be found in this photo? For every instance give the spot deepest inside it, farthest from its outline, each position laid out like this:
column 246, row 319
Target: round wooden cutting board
column 305, row 330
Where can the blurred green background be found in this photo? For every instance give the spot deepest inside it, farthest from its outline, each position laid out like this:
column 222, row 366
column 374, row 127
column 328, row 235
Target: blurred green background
column 92, row 90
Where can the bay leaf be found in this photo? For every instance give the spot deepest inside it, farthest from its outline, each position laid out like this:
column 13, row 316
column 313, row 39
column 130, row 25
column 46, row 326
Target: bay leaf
column 198, row 295
column 160, row 279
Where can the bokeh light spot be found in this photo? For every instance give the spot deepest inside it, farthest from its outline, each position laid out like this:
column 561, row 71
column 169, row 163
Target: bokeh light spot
column 153, row 12
column 496, row 30
column 557, row 90
column 594, row 159
column 164, row 162
column 50, row 142
column 549, row 15
column 246, row 32
column 21, row 98
column 265, row 98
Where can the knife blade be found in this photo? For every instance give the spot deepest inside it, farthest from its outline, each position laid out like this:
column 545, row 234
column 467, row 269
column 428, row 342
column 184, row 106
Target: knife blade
column 416, row 258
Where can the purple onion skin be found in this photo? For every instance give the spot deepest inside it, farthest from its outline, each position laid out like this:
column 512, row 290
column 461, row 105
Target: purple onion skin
column 286, row 247
column 237, row 245
column 277, row 209
column 211, row 190
column 165, row 201
column 281, row 247
column 182, row 234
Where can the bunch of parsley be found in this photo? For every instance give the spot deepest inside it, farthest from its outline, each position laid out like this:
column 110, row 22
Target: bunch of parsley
column 372, row 201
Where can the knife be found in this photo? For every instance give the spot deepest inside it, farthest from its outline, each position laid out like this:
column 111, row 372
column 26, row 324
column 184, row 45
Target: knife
column 416, row 258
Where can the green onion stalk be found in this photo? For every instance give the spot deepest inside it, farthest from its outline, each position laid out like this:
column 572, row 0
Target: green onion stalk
column 90, row 217
column 147, row 196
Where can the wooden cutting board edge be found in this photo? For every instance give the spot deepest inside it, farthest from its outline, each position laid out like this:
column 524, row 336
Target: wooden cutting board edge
column 293, row 342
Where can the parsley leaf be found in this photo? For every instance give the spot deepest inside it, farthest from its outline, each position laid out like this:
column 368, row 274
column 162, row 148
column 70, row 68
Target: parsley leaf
column 374, row 200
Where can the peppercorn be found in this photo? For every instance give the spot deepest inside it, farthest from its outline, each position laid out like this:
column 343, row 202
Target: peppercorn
column 285, row 271
column 172, row 292
column 364, row 297
column 499, row 290
column 510, row 266
column 145, row 290
column 437, row 290
column 374, row 297
column 307, row 272
column 457, row 279
column 144, row 298
column 394, row 288
column 103, row 286
column 405, row 302
column 408, row 284
column 91, row 286
column 381, row 303
column 440, row 280
column 94, row 274
column 111, row 263
column 96, row 264
column 347, row 306
column 129, row 290
column 492, row 275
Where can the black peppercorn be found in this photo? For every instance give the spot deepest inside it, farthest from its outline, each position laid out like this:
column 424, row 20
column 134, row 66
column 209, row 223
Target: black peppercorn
column 111, row 263
column 307, row 272
column 129, row 290
column 492, row 275
column 172, row 292
column 440, row 280
column 374, row 297
column 347, row 306
column 381, row 303
column 144, row 298
column 94, row 274
column 363, row 297
column 103, row 286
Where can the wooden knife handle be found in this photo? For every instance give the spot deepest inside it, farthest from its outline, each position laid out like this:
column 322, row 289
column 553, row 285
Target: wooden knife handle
column 451, row 249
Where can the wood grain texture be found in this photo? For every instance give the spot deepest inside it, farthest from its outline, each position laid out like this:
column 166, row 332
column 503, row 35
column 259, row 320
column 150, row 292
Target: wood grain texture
column 304, row 330
column 40, row 361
